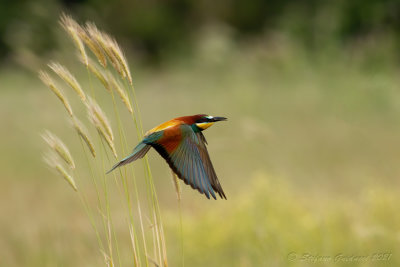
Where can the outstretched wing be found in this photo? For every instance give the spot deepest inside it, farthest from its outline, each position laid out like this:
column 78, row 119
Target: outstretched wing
column 205, row 157
column 189, row 159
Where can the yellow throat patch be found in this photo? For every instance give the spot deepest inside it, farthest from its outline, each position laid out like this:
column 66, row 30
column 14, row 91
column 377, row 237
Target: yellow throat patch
column 204, row 125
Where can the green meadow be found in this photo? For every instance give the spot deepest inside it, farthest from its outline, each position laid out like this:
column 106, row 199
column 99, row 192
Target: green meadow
column 308, row 159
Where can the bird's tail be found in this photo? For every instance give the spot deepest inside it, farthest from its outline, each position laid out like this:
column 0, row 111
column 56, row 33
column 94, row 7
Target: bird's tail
column 140, row 150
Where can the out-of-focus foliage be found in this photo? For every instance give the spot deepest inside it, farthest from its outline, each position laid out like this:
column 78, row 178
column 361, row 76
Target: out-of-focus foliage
column 156, row 27
column 27, row 25
column 271, row 224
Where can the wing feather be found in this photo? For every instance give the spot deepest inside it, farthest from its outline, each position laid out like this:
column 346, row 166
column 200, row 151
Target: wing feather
column 191, row 162
column 210, row 168
column 198, row 175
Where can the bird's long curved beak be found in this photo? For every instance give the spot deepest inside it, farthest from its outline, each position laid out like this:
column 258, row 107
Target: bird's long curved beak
column 220, row 119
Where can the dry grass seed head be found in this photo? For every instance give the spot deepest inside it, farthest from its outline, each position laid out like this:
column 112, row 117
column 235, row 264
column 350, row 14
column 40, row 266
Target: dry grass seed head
column 59, row 147
column 99, row 75
column 99, row 125
column 51, row 160
column 83, row 133
column 48, row 81
column 106, row 138
column 95, row 111
column 72, row 28
column 117, row 53
column 64, row 74
column 66, row 176
column 94, row 36
column 120, row 91
column 93, row 45
column 112, row 49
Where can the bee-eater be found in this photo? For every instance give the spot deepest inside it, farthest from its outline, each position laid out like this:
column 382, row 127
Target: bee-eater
column 181, row 143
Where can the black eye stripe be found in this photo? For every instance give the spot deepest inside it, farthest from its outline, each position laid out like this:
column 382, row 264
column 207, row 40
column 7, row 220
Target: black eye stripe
column 204, row 120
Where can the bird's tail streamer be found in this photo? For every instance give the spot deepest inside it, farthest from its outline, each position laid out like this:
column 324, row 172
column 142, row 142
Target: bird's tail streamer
column 140, row 150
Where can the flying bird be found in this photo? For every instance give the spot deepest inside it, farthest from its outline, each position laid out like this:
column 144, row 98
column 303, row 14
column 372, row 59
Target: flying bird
column 182, row 144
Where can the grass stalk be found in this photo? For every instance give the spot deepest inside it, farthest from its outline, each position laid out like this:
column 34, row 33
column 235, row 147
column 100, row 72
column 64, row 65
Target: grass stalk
column 105, row 81
column 124, row 180
column 106, row 50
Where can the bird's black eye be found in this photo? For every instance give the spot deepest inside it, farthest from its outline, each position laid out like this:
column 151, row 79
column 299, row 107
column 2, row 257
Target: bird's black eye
column 203, row 119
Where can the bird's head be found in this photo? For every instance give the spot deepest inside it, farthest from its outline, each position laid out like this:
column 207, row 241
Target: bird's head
column 205, row 121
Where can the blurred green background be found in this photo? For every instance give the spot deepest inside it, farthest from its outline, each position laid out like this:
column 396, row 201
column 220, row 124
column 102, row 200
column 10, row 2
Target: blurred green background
column 308, row 159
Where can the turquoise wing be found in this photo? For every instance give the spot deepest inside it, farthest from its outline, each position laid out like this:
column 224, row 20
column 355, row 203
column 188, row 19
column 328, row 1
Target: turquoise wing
column 139, row 152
